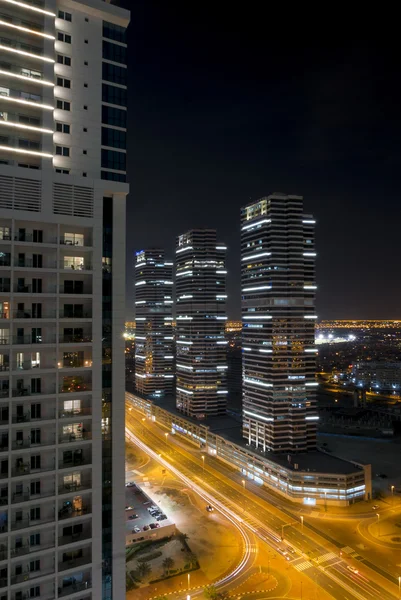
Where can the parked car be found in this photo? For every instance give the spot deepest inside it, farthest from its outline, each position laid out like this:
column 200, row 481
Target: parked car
column 352, row 569
column 136, row 530
column 161, row 518
column 129, row 508
column 209, row 508
column 145, row 528
column 154, row 525
column 375, row 507
column 132, row 517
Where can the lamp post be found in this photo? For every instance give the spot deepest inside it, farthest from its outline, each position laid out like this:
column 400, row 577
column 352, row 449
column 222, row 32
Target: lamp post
column 166, row 434
column 399, row 587
column 189, row 580
column 243, row 483
column 302, row 521
column 392, row 494
column 378, row 524
column 203, row 460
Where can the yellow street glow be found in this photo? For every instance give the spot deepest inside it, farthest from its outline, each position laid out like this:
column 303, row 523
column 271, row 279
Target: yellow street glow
column 44, row 58
column 20, row 28
column 26, row 78
column 31, row 152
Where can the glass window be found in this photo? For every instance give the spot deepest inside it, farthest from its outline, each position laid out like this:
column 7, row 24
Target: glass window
column 108, row 176
column 114, row 95
column 62, row 151
column 63, row 127
column 114, row 160
column 114, row 138
column 114, row 116
column 66, row 16
column 114, row 52
column 74, row 262
column 74, row 239
column 114, row 32
column 64, row 60
column 114, row 74
column 64, row 37
column 5, row 233
column 63, row 105
column 62, row 82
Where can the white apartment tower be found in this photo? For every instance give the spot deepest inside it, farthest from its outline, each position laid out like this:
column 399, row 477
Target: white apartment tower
column 278, row 312
column 62, row 291
column 201, row 364
column 154, row 345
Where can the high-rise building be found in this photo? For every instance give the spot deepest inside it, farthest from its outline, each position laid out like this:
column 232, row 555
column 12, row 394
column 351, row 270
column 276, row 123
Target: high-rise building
column 154, row 339
column 62, row 291
column 278, row 312
column 200, row 280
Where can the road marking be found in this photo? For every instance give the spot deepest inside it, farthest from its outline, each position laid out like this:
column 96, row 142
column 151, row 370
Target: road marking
column 303, row 566
column 326, row 557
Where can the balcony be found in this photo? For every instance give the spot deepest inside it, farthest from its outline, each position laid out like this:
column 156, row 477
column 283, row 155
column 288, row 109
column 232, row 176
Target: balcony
column 64, row 565
column 24, row 444
column 22, row 523
column 18, row 498
column 25, row 391
column 34, row 26
column 25, row 469
column 68, row 488
column 5, row 261
column 4, row 367
column 29, row 237
column 29, row 263
column 33, row 340
column 76, row 314
column 27, row 576
column 72, row 264
column 27, row 549
column 4, row 315
column 4, row 393
column 21, row 46
column 75, row 364
column 27, row 365
column 3, row 552
column 77, row 462
column 29, row 289
column 74, row 587
column 69, row 438
column 5, row 288
column 75, row 339
column 76, row 290
column 30, row 314
column 76, row 241
column 65, row 513
column 21, row 144
column 76, row 413
column 33, row 74
column 47, row 415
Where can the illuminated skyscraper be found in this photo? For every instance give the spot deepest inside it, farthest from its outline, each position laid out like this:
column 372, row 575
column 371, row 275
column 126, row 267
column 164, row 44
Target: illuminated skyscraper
column 62, row 299
column 201, row 315
column 154, row 348
column 278, row 312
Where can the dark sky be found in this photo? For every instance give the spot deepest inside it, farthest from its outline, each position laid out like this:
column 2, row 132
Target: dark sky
column 225, row 107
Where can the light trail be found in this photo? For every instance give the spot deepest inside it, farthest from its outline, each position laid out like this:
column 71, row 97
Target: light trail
column 231, row 516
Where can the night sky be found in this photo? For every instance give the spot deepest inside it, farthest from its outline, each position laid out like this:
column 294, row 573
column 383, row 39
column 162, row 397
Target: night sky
column 226, row 107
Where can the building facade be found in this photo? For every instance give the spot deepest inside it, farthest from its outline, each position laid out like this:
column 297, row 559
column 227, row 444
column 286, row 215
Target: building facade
column 375, row 375
column 62, row 297
column 278, row 313
column 200, row 280
column 154, row 339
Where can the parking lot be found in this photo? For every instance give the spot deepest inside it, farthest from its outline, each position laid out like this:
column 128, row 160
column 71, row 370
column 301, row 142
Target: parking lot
column 143, row 516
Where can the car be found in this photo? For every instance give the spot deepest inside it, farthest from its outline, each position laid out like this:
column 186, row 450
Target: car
column 132, row 517
column 136, row 530
column 375, row 507
column 130, row 484
column 352, row 569
column 209, row 508
column 145, row 528
column 161, row 518
column 154, row 525
column 129, row 508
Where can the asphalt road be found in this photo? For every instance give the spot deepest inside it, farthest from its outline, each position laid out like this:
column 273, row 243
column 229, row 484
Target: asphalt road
column 314, row 557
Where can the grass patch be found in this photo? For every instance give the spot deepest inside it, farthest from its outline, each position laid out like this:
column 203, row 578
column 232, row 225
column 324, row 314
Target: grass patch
column 149, row 557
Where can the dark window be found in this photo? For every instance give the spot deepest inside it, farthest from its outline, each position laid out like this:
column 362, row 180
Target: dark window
column 114, row 95
column 62, row 151
column 63, row 128
column 64, row 60
column 108, row 176
column 66, row 16
column 63, row 37
column 113, row 160
column 114, row 52
column 63, row 105
column 114, row 138
column 62, row 82
column 114, row 32
column 114, row 116
column 114, row 74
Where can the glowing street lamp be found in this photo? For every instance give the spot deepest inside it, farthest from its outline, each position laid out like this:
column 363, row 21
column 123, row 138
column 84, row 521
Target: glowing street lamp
column 203, row 460
column 378, row 524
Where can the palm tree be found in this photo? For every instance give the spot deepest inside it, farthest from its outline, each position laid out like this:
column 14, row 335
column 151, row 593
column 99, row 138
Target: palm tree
column 193, row 559
column 168, row 563
column 144, row 569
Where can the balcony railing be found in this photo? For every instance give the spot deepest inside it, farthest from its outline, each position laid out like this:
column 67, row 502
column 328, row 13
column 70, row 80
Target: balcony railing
column 74, row 562
column 5, row 262
column 75, row 339
column 75, row 413
column 22, row 523
column 74, row 487
column 27, row 549
column 29, row 314
column 74, row 588
column 33, row 74
column 22, row 444
column 25, row 391
column 18, row 498
column 4, row 367
column 4, row 315
column 63, row 513
column 76, row 364
column 75, row 537
column 28, row 263
column 86, row 290
column 19, row 95
column 84, row 314
column 28, row 576
column 28, row 289
column 22, row 23
column 4, row 393
column 5, row 287
column 76, row 389
column 21, row 46
column 72, row 437
column 25, row 469
column 28, row 366
column 29, row 340
column 47, row 415
column 29, row 237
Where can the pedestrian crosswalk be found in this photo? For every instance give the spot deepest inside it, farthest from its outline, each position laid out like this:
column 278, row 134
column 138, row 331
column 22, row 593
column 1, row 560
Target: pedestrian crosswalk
column 326, row 557
column 303, row 565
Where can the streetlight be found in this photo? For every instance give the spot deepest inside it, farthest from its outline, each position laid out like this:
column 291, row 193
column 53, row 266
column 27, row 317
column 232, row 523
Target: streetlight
column 392, row 494
column 203, row 460
column 378, row 524
column 302, row 521
column 189, row 580
column 166, row 434
column 325, row 501
column 243, row 483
